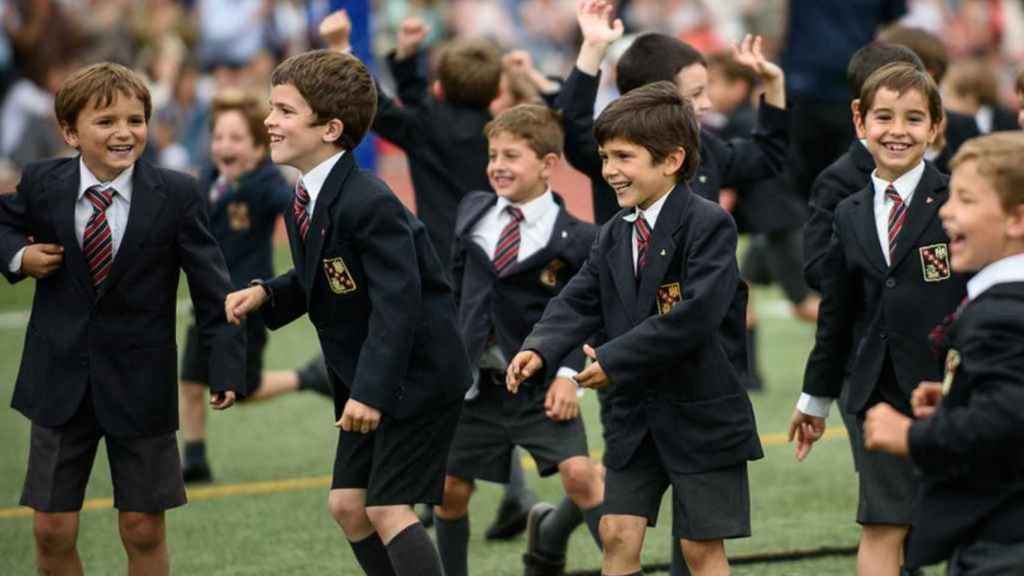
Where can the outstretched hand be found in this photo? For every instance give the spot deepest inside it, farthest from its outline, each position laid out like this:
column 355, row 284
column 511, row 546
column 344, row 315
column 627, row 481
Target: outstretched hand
column 335, row 30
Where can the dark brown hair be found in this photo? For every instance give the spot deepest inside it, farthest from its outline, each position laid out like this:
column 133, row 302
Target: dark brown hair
column 901, row 78
column 540, row 126
column 976, row 79
column 656, row 117
column 469, row 71
column 335, row 85
column 99, row 83
column 928, row 47
column 654, row 57
column 248, row 105
column 998, row 157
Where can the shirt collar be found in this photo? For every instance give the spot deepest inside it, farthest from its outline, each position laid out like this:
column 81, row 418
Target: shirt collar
column 1009, row 269
column 122, row 184
column 652, row 212
column 314, row 179
column 532, row 210
column 905, row 184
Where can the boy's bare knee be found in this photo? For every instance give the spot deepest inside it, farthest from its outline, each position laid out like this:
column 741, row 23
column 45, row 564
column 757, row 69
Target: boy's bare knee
column 703, row 556
column 55, row 533
column 141, row 532
column 457, row 493
column 348, row 508
column 579, row 478
column 622, row 537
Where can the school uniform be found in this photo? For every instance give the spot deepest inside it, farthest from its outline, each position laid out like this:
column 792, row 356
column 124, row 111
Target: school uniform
column 370, row 281
column 243, row 217
column 959, row 129
column 971, row 503
column 445, row 145
column 499, row 302
column 879, row 303
column 677, row 413
column 93, row 327
column 723, row 164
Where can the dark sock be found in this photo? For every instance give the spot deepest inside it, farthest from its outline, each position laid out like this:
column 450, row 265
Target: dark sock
column 556, row 528
column 516, row 488
column 195, row 453
column 452, row 543
column 372, row 556
column 413, row 554
column 679, row 567
column 593, row 519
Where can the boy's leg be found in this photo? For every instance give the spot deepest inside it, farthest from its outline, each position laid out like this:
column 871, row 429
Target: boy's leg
column 145, row 540
column 585, row 487
column 705, row 558
column 192, row 408
column 515, row 505
column 709, row 507
column 310, row 376
column 408, row 545
column 55, row 536
column 451, row 526
column 623, row 538
column 348, row 508
column 881, row 549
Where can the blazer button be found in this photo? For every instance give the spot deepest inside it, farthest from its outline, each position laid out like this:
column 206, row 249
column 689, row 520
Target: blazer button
column 83, row 361
column 890, row 283
column 884, row 336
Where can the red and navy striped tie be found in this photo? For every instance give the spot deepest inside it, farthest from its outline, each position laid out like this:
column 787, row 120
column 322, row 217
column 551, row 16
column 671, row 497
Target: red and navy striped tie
column 507, row 251
column 897, row 214
column 97, row 242
column 643, row 240
column 299, row 209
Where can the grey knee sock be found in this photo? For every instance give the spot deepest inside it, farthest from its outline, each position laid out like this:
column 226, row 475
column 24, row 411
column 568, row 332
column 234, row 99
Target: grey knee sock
column 593, row 519
column 516, row 488
column 413, row 554
column 452, row 543
column 557, row 527
column 372, row 556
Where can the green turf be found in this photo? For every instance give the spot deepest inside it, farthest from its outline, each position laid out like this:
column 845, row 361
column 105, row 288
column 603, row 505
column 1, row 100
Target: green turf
column 795, row 506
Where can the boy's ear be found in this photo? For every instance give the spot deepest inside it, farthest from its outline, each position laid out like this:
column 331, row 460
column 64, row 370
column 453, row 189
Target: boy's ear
column 673, row 162
column 70, row 134
column 858, row 120
column 1015, row 223
column 335, row 128
column 550, row 160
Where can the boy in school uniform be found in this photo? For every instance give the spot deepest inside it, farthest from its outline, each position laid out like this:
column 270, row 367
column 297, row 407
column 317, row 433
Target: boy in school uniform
column 886, row 282
column 514, row 251
column 661, row 283
column 245, row 195
column 106, row 235
column 373, row 287
column 966, row 431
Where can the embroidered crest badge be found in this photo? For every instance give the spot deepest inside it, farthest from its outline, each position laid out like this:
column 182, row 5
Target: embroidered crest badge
column 952, row 363
column 668, row 296
column 238, row 216
column 935, row 262
column 549, row 275
column 338, row 276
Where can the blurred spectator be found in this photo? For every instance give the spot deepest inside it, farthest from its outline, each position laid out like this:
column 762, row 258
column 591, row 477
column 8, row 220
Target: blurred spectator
column 971, row 87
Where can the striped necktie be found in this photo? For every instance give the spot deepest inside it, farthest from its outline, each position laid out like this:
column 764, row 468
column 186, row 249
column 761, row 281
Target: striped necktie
column 299, row 205
column 97, row 241
column 507, row 251
column 897, row 214
column 643, row 241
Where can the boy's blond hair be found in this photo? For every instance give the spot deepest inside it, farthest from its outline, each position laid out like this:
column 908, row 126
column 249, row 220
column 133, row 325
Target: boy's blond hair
column 102, row 82
column 998, row 159
column 248, row 105
column 538, row 125
column 469, row 72
column 976, row 79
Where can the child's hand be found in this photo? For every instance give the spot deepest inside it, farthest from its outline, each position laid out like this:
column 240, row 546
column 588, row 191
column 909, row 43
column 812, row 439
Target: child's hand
column 222, row 400
column 335, row 30
column 524, row 365
column 599, row 31
column 239, row 304
column 806, row 430
column 926, row 399
column 358, row 417
column 561, row 402
column 41, row 260
column 411, row 34
column 886, row 430
column 593, row 376
column 749, row 55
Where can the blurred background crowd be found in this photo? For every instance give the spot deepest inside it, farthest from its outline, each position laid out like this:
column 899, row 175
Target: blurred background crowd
column 190, row 49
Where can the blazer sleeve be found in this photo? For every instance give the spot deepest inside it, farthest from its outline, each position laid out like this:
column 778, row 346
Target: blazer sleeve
column 14, row 225
column 403, row 127
column 388, row 253
column 746, row 160
column 825, row 196
column 659, row 340
column 989, row 430
column 209, row 284
column 410, row 76
column 287, row 300
column 576, row 101
column 826, row 366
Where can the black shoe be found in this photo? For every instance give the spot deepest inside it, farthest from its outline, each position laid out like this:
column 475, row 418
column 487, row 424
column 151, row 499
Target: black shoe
column 425, row 512
column 197, row 474
column 535, row 563
column 510, row 521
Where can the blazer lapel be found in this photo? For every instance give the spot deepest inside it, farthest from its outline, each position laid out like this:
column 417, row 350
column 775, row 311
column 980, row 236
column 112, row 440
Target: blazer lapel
column 559, row 238
column 930, row 195
column 866, row 230
column 620, row 262
column 662, row 247
column 321, row 221
column 62, row 195
column 147, row 198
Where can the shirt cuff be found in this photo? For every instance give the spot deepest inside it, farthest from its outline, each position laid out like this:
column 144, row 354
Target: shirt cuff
column 566, row 372
column 15, row 265
column 814, row 405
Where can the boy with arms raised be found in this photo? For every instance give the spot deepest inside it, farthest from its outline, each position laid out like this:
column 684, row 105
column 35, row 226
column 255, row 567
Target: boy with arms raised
column 106, row 235
column 886, row 282
column 369, row 279
column 662, row 284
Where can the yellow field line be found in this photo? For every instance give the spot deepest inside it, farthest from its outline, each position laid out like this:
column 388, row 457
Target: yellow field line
column 295, row 484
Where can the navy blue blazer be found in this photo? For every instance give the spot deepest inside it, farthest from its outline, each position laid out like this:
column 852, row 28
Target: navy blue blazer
column 509, row 306
column 373, row 287
column 119, row 343
column 969, row 451
column 675, row 343
column 870, row 310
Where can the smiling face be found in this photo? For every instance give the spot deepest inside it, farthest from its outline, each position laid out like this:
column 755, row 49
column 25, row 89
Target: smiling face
column 634, row 175
column 515, row 170
column 110, row 139
column 233, row 147
column 295, row 139
column 692, row 82
column 898, row 129
column 980, row 231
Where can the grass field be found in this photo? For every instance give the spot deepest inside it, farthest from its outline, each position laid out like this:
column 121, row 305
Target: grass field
column 267, row 514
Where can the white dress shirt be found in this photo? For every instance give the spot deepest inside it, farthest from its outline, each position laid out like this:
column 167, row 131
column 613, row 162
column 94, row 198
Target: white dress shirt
column 651, row 215
column 314, row 180
column 117, row 212
column 1009, row 269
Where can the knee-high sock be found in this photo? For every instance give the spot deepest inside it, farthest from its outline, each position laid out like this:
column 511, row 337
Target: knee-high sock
column 593, row 519
column 516, row 489
column 413, row 554
column 557, row 527
column 372, row 556
column 452, row 544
